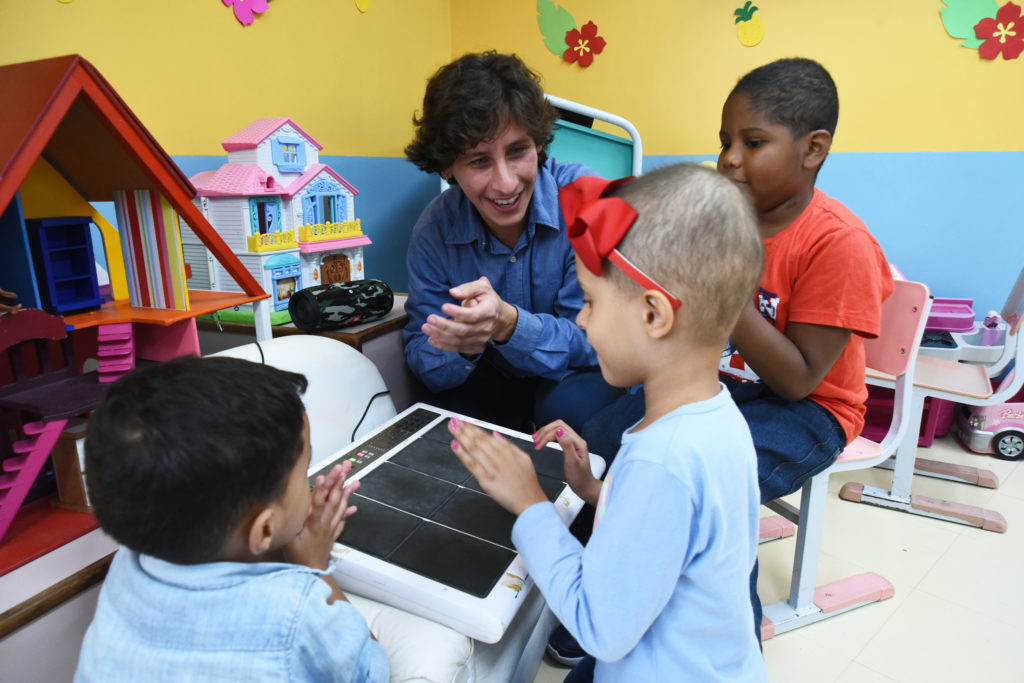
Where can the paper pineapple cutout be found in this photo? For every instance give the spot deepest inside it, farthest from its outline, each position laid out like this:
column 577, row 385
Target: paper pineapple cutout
column 749, row 26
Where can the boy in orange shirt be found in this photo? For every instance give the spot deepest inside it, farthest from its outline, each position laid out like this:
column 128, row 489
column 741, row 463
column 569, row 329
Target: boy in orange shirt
column 795, row 361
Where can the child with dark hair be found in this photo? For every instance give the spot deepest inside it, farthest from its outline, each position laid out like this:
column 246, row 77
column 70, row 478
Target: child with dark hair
column 666, row 263
column 796, row 358
column 198, row 468
column 492, row 282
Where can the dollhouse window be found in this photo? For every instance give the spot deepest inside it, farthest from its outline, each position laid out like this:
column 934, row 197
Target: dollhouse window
column 289, row 154
column 265, row 215
column 328, row 208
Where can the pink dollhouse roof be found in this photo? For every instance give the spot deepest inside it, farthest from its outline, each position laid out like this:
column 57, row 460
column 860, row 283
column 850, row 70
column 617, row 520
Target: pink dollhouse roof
column 236, row 180
column 308, row 175
column 259, row 130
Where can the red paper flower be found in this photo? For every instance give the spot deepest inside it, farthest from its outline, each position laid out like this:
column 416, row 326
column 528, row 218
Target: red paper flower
column 1004, row 34
column 583, row 44
column 244, row 9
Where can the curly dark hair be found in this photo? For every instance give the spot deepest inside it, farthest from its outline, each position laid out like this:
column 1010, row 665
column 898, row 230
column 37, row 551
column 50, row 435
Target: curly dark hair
column 467, row 100
column 795, row 92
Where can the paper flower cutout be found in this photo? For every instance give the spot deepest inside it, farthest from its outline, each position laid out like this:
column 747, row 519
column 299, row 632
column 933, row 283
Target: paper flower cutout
column 583, row 45
column 1002, row 35
column 244, row 9
column 554, row 22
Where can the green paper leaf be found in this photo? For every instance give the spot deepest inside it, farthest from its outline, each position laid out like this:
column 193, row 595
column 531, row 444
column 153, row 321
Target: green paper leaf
column 554, row 23
column 960, row 16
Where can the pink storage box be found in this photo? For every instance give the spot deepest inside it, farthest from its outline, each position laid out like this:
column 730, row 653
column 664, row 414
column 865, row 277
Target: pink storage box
column 936, row 420
column 952, row 315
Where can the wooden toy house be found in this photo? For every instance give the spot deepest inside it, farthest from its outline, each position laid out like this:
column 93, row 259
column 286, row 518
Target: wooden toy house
column 68, row 141
column 286, row 216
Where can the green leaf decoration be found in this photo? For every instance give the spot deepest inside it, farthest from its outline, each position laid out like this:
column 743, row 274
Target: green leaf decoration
column 554, row 23
column 746, row 12
column 960, row 16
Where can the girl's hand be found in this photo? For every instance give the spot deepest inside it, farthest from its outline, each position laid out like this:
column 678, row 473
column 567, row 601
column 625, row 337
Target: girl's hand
column 578, row 474
column 326, row 520
column 504, row 472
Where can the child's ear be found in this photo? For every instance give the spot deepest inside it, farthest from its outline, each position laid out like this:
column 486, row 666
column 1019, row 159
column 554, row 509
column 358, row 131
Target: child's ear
column 818, row 144
column 261, row 531
column 659, row 316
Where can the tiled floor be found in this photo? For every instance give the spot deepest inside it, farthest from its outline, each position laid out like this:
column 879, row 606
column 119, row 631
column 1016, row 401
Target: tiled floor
column 958, row 612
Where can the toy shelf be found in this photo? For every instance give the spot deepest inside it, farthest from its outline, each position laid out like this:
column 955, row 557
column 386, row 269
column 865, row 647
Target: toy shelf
column 67, row 272
column 201, row 302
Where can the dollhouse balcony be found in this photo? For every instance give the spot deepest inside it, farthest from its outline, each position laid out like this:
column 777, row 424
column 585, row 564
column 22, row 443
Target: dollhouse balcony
column 271, row 241
column 325, row 232
column 323, row 237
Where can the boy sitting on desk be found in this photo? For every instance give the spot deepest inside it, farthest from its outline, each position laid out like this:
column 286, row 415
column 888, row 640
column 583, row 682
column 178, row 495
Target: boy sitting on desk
column 197, row 467
column 666, row 263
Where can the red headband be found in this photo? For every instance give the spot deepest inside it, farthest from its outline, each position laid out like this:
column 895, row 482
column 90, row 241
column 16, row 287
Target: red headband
column 597, row 223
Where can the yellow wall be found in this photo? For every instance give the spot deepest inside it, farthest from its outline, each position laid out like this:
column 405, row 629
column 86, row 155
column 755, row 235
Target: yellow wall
column 194, row 75
column 904, row 84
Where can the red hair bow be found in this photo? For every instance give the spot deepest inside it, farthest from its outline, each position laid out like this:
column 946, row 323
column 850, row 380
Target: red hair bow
column 597, row 223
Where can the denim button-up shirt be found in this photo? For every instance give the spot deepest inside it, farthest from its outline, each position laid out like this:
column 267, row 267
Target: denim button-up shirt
column 451, row 245
column 224, row 621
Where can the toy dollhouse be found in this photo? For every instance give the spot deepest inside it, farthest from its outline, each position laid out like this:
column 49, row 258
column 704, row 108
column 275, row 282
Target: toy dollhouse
column 68, row 143
column 286, row 216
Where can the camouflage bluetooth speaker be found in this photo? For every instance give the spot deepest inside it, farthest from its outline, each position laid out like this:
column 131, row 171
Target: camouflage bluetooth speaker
column 329, row 307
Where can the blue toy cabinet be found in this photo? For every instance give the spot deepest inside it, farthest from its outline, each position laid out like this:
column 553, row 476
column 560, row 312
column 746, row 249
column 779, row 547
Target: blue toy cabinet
column 65, row 263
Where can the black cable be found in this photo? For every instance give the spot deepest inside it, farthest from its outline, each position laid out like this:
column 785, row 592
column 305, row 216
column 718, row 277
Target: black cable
column 368, row 404
column 263, row 359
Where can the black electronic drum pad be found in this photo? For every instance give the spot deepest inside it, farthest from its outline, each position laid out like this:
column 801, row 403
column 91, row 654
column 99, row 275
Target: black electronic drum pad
column 422, row 510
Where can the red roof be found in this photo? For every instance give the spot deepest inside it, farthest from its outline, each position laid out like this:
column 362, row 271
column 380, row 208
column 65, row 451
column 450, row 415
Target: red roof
column 63, row 108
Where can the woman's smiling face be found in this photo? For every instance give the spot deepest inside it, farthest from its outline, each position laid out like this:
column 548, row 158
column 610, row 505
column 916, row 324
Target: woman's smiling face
column 498, row 177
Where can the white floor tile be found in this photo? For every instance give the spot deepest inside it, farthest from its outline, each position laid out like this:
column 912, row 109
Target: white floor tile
column 932, row 639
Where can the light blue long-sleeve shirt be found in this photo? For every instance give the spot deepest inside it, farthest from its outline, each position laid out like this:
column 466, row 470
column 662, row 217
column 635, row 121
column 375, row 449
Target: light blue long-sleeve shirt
column 451, row 245
column 661, row 591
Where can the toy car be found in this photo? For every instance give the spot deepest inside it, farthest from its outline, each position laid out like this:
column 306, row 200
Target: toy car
column 997, row 429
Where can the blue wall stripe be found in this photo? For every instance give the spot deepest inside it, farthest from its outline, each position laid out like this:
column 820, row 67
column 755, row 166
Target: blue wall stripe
column 952, row 220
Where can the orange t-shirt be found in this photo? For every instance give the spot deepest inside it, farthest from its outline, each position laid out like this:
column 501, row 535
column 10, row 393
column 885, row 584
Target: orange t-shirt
column 825, row 268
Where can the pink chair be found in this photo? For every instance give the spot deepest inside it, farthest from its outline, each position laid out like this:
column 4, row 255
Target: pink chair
column 972, row 384
column 894, row 353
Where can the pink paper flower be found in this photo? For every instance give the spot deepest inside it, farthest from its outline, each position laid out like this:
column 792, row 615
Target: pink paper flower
column 1004, row 34
column 583, row 44
column 244, row 9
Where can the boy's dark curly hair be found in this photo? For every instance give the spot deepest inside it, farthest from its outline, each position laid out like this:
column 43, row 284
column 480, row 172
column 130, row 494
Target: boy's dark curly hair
column 178, row 453
column 795, row 92
column 467, row 100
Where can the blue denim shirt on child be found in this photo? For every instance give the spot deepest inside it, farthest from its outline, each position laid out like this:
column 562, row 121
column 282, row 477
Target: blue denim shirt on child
column 451, row 245
column 226, row 621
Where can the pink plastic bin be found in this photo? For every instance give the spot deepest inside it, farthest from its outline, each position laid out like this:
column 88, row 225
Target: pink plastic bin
column 952, row 315
column 936, row 420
